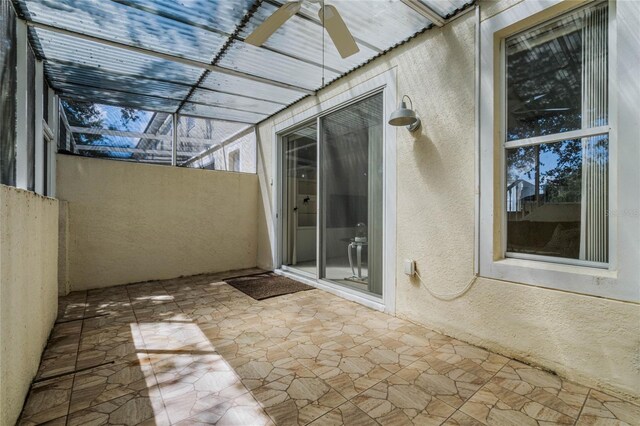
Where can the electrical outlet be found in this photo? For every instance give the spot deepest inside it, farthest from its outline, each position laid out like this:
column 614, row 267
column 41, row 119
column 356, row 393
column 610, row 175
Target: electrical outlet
column 410, row 267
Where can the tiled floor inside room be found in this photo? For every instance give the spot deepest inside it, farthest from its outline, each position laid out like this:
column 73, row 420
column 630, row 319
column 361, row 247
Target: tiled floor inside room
column 197, row 351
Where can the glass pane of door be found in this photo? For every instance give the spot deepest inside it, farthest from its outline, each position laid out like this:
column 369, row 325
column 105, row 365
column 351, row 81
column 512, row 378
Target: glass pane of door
column 351, row 197
column 300, row 199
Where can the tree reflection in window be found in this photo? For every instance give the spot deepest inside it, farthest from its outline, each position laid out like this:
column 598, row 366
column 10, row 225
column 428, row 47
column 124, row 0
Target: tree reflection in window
column 556, row 82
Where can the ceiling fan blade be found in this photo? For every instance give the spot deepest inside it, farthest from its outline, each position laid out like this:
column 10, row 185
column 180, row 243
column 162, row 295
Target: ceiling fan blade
column 338, row 31
column 273, row 22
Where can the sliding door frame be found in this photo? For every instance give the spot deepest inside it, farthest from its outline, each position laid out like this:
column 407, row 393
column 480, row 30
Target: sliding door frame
column 384, row 83
column 281, row 188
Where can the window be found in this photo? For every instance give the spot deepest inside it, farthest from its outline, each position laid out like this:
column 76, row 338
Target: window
column 556, row 139
column 234, row 161
column 559, row 104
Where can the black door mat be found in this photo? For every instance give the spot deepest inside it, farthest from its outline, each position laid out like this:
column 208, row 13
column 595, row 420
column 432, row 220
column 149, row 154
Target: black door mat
column 265, row 286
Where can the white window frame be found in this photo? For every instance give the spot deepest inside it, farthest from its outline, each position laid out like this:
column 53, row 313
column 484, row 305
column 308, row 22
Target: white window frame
column 384, row 82
column 621, row 279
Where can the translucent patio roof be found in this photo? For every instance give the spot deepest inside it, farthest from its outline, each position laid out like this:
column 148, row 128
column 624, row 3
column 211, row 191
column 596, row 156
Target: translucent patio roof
column 189, row 56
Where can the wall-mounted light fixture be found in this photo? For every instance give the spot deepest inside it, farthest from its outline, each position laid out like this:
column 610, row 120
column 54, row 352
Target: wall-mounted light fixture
column 404, row 116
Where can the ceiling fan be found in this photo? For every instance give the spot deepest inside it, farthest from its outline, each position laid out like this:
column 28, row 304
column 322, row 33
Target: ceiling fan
column 329, row 16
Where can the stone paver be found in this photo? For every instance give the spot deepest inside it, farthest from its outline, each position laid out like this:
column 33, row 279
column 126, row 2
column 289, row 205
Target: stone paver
column 195, row 350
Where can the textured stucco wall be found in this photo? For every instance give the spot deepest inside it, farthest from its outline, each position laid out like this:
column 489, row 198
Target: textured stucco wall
column 132, row 222
column 592, row 340
column 63, row 253
column 28, row 291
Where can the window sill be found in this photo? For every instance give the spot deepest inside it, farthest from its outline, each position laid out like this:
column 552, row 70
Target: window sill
column 558, row 267
column 582, row 280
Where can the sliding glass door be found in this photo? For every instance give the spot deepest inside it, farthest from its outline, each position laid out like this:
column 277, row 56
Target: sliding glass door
column 349, row 207
column 300, row 199
column 351, row 197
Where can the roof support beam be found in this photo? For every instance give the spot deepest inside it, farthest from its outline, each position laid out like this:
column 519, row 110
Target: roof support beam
column 425, row 11
column 170, row 58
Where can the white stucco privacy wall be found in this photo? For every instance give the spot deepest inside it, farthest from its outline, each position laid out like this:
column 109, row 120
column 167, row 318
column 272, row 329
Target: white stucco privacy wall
column 130, row 222
column 28, row 291
column 591, row 340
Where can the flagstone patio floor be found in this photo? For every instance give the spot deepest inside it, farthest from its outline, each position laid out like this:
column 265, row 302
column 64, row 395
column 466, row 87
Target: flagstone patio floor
column 195, row 350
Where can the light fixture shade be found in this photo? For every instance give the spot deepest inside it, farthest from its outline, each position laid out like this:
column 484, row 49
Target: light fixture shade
column 404, row 116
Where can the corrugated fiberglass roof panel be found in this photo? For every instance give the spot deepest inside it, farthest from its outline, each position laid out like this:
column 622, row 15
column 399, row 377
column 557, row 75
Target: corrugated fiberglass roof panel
column 446, row 7
column 215, row 15
column 116, row 22
column 261, row 62
column 242, row 86
column 233, row 101
column 221, row 113
column 98, row 79
column 195, row 30
column 303, row 39
column 67, row 49
column 382, row 23
column 111, row 97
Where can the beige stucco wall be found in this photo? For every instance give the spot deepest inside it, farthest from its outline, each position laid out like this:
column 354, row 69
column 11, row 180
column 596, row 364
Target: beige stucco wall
column 63, row 252
column 592, row 340
column 28, row 291
column 132, row 222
